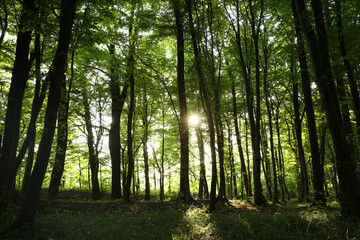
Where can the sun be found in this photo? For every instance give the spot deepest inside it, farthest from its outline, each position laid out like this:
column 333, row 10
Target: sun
column 194, row 120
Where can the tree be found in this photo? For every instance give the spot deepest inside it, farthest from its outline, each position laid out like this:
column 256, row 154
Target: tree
column 20, row 74
column 344, row 149
column 56, row 76
column 131, row 78
column 204, row 93
column 117, row 103
column 183, row 123
column 62, row 134
column 318, row 171
column 93, row 154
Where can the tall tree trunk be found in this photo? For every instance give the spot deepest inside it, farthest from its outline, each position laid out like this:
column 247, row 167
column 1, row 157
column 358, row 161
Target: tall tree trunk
column 238, row 141
column 259, row 198
column 162, row 172
column 117, row 103
column 339, row 129
column 304, row 182
column 208, row 110
column 62, row 135
column 318, row 170
column 203, row 186
column 30, row 158
column 233, row 192
column 145, row 142
column 183, row 125
column 130, row 76
column 270, row 120
column 56, row 76
column 216, row 90
column 19, row 78
column 349, row 69
column 93, row 156
column 4, row 25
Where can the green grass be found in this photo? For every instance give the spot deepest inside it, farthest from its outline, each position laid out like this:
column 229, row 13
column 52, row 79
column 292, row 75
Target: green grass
column 147, row 221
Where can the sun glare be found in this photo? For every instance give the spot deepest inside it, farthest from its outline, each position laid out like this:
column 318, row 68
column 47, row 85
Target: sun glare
column 194, row 120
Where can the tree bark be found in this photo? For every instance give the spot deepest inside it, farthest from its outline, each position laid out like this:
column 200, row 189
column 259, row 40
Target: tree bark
column 19, row 78
column 30, row 158
column 318, row 170
column 304, row 181
column 349, row 69
column 340, row 132
column 131, row 78
column 203, row 186
column 145, row 142
column 208, row 110
column 117, row 103
column 185, row 194
column 238, row 141
column 62, row 135
column 93, row 156
column 56, row 76
column 259, row 198
column 4, row 25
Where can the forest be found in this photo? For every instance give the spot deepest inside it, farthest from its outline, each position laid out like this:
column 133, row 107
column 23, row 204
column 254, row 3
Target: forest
column 180, row 119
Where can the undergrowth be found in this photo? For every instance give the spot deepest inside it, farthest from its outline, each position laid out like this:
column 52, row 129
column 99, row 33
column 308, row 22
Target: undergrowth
column 139, row 221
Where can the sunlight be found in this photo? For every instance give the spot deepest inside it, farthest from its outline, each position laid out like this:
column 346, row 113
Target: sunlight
column 194, row 120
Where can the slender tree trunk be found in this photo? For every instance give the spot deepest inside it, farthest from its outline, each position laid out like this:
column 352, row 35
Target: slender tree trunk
column 233, row 192
column 183, row 125
column 56, row 76
column 93, row 156
column 349, row 69
column 62, row 135
column 4, row 24
column 203, row 186
column 304, row 182
column 30, row 158
column 145, row 142
column 259, row 198
column 338, row 126
column 208, row 110
column 19, row 78
column 238, row 141
column 131, row 78
column 270, row 119
column 162, row 172
column 117, row 103
column 318, row 170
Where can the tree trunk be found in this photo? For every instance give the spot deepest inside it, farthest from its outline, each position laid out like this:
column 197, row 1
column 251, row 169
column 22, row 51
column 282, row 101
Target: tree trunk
column 162, row 172
column 259, row 198
column 203, row 186
column 340, row 132
column 318, row 170
column 270, row 119
column 19, row 78
column 30, row 158
column 208, row 110
column 145, row 142
column 56, row 76
column 93, row 156
column 62, row 135
column 3, row 25
column 349, row 69
column 238, row 141
column 304, row 182
column 183, row 125
column 130, row 76
column 117, row 103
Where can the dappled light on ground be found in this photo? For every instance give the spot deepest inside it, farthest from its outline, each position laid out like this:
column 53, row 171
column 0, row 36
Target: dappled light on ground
column 74, row 216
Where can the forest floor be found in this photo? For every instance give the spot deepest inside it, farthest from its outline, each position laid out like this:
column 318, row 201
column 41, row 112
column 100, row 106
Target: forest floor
column 74, row 216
